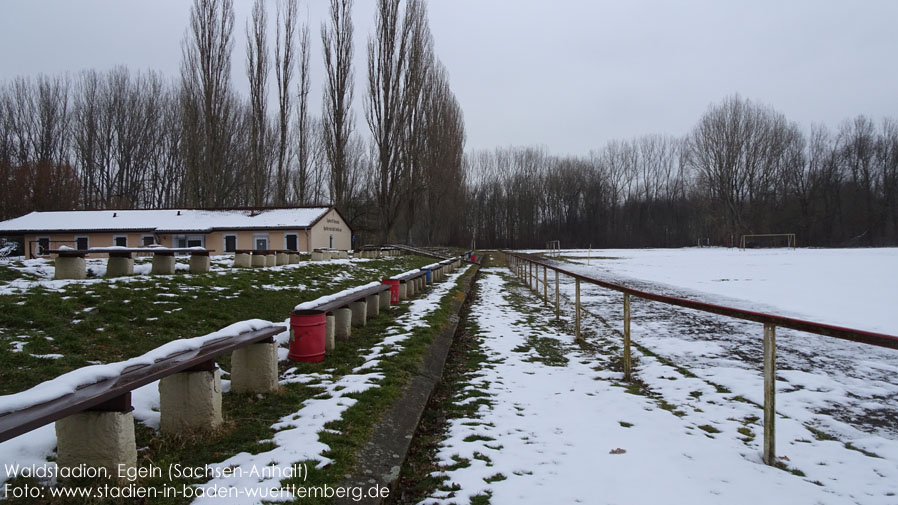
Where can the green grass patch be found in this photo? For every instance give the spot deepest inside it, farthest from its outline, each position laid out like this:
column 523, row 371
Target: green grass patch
column 111, row 320
column 707, row 428
column 495, row 478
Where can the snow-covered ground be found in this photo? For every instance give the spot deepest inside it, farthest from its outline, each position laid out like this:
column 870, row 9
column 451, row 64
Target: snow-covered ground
column 857, row 288
column 568, row 431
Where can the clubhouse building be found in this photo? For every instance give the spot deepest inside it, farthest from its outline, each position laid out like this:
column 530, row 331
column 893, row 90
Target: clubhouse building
column 220, row 230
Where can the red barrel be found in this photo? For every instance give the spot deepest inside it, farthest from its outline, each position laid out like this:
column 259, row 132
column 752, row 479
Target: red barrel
column 473, row 258
column 394, row 290
column 307, row 329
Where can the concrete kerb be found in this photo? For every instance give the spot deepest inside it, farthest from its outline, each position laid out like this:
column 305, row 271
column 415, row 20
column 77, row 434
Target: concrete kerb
column 380, row 459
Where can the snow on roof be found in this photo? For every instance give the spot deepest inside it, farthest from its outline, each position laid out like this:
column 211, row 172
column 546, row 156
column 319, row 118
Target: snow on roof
column 167, row 220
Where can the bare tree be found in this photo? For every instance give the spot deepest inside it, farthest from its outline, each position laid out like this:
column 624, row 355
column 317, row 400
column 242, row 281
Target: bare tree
column 388, row 105
column 257, row 65
column 209, row 108
column 283, row 66
column 304, row 126
column 337, row 115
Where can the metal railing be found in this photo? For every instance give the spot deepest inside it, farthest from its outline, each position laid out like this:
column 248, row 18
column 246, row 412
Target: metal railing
column 527, row 268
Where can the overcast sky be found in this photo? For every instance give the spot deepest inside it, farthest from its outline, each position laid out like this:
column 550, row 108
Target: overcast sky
column 568, row 75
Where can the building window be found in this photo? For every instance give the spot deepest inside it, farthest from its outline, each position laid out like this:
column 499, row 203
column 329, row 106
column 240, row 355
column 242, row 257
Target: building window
column 148, row 240
column 190, row 241
column 291, row 242
column 82, row 243
column 43, row 245
column 332, row 242
column 196, row 241
column 230, row 243
column 260, row 241
column 120, row 240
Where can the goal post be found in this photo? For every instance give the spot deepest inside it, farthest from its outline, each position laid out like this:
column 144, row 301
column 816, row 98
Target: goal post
column 553, row 248
column 764, row 240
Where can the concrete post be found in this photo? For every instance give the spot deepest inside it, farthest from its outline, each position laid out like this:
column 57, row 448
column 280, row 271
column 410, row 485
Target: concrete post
column 327, row 255
column 199, row 263
column 163, row 264
column 96, row 439
column 271, row 260
column 254, row 368
column 329, row 332
column 242, row 260
column 385, row 299
column 342, row 323
column 359, row 312
column 259, row 261
column 343, row 255
column 411, row 287
column 294, row 258
column 282, row 258
column 317, row 256
column 373, row 302
column 70, row 267
column 190, row 401
column 403, row 290
column 118, row 266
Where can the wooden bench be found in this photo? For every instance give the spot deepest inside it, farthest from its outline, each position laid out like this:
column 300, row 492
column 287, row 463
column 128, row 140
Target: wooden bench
column 71, row 264
column 94, row 422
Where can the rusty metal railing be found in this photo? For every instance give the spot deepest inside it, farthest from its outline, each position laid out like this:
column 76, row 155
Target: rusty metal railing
column 527, row 269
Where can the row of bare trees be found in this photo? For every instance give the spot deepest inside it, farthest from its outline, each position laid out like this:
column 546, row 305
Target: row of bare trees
column 120, row 139
column 743, row 169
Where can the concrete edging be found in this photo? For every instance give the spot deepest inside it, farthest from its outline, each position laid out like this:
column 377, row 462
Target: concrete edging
column 380, row 460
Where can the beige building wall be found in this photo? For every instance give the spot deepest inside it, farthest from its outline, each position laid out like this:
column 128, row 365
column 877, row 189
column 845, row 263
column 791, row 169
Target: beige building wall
column 93, row 240
column 331, row 224
column 246, row 239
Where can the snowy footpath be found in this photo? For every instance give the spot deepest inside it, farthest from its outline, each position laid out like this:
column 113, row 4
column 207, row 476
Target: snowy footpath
column 555, row 423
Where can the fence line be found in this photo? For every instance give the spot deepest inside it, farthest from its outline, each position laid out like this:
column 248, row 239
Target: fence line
column 527, row 268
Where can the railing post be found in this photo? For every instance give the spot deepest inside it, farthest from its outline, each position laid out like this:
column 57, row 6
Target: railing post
column 627, row 370
column 546, row 283
column 577, row 311
column 769, row 393
column 557, row 313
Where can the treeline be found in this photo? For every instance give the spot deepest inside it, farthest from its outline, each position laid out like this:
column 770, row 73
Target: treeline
column 123, row 139
column 743, row 169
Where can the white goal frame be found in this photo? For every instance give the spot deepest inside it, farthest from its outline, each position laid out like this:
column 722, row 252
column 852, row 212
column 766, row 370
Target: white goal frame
column 790, row 238
column 553, row 248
